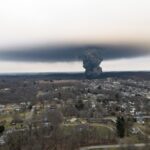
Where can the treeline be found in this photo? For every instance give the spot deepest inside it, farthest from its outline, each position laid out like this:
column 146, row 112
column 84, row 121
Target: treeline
column 50, row 133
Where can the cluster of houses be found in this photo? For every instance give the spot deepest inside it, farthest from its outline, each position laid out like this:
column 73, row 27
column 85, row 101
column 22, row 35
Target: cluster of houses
column 128, row 90
column 13, row 107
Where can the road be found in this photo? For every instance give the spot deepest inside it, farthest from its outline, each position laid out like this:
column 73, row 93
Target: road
column 111, row 146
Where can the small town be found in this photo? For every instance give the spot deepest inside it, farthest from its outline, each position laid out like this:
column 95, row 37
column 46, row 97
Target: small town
column 74, row 74
column 84, row 108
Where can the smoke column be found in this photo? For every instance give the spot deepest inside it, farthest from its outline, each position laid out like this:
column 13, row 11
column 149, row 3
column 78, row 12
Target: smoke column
column 91, row 63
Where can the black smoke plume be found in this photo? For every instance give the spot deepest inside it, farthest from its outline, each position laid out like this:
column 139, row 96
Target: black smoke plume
column 70, row 53
column 91, row 63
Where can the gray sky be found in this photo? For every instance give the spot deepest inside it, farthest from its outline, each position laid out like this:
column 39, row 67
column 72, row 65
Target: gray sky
column 43, row 22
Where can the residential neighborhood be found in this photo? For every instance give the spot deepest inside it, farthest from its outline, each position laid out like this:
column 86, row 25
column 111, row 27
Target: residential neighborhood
column 77, row 105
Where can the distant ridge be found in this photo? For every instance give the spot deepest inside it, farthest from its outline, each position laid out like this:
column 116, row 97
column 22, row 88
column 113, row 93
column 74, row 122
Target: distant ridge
column 78, row 75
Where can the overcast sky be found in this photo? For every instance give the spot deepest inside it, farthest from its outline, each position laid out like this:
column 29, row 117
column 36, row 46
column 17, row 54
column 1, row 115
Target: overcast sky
column 26, row 23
